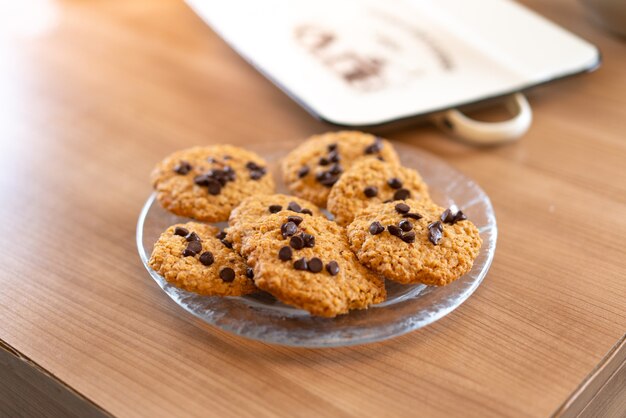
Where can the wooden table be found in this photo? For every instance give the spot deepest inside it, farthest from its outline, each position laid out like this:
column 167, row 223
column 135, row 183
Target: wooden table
column 94, row 93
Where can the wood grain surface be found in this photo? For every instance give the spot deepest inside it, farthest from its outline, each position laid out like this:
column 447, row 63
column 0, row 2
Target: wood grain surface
column 93, row 97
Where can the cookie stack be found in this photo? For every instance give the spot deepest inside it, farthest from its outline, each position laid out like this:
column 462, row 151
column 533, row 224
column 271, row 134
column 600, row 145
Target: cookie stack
column 385, row 225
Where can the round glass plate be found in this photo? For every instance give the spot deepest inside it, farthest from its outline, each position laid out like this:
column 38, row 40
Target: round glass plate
column 407, row 308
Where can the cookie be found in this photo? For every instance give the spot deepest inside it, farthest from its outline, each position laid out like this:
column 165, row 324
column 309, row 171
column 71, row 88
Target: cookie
column 245, row 217
column 191, row 257
column 310, row 170
column 307, row 263
column 415, row 241
column 206, row 183
column 373, row 181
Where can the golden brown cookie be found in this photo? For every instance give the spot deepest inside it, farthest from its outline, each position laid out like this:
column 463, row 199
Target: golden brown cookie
column 190, row 256
column 306, row 262
column 372, row 181
column 310, row 170
column 245, row 217
column 415, row 241
column 206, row 183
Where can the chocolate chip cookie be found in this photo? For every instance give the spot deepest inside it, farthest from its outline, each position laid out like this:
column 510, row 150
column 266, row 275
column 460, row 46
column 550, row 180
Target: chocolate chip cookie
column 305, row 261
column 245, row 218
column 415, row 241
column 310, row 170
column 206, row 183
column 191, row 257
column 373, row 181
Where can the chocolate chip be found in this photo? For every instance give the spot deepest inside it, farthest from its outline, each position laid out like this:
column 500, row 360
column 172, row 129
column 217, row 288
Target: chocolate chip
column 402, row 208
column 192, row 237
column 220, row 235
column 193, row 247
column 294, row 207
column 447, row 216
column 227, row 243
column 295, row 219
column 330, row 181
column 179, row 230
column 188, row 253
column 296, row 242
column 375, row 147
column 215, row 187
column 202, row 179
column 206, row 258
column 408, row 237
column 221, row 180
column 306, row 211
column 326, row 178
column 452, row 215
column 275, row 208
column 226, row 177
column 332, row 147
column 324, row 161
column 182, row 168
column 334, row 157
column 394, row 183
column 288, row 229
column 227, row 274
column 257, row 174
column 335, row 169
column 370, row 191
column 229, row 174
column 285, row 253
column 401, row 194
column 413, row 215
column 405, row 225
column 333, row 268
column 394, row 230
column 435, row 231
column 372, row 149
column 249, row 273
column 315, row 265
column 376, row 228
column 214, row 173
column 215, row 179
column 304, row 170
column 309, row 240
column 251, row 165
column 436, row 225
column 300, row 264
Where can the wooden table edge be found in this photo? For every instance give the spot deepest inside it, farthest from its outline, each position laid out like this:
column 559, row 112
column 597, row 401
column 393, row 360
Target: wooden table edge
column 34, row 383
column 28, row 389
column 599, row 387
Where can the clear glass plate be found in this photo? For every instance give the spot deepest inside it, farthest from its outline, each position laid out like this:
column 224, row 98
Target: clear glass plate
column 407, row 308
